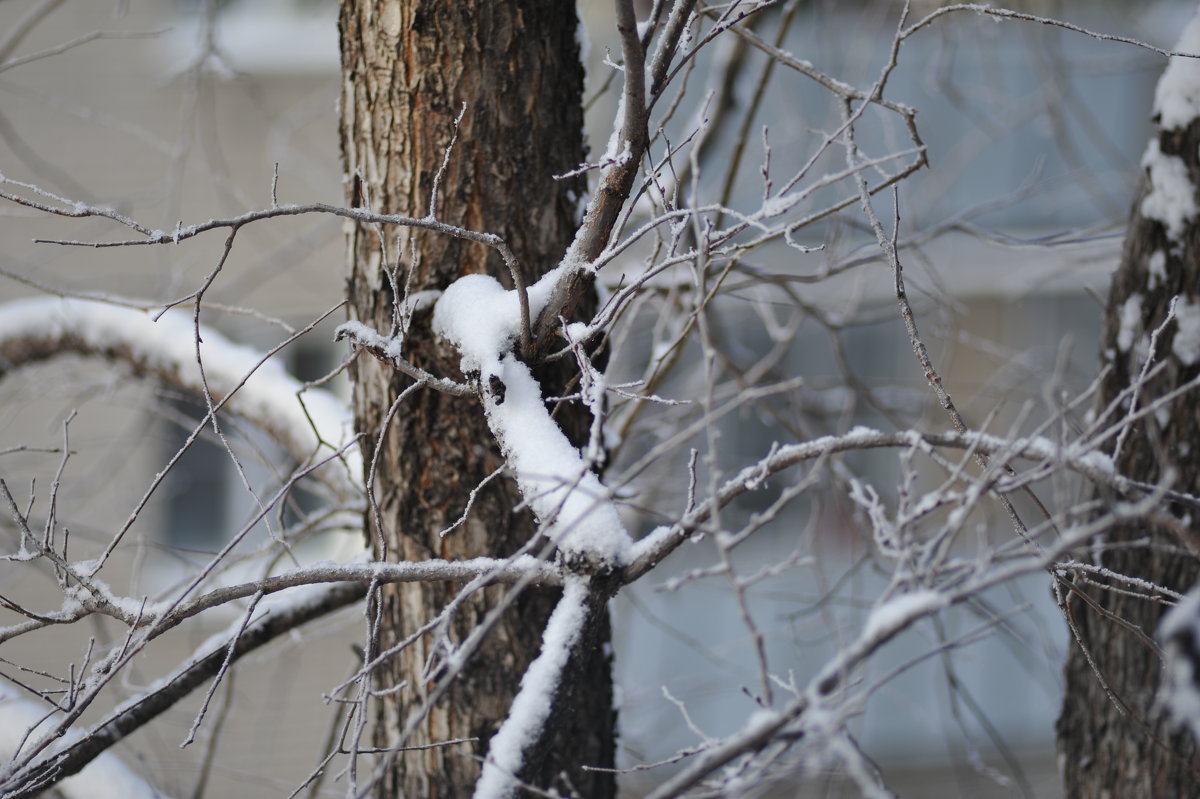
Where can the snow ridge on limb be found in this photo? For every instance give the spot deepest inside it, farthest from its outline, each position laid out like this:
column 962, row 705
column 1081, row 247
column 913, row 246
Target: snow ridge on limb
column 567, row 496
column 533, row 703
column 482, row 320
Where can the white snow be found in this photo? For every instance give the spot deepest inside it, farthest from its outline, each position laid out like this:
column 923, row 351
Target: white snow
column 1177, row 96
column 1099, row 461
column 577, row 332
column 482, row 320
column 367, row 336
column 899, row 611
column 1157, row 266
column 774, row 206
column 1172, row 197
column 97, row 592
column 614, row 139
column 1179, row 691
column 1131, row 322
column 1186, row 343
column 554, row 478
column 168, row 345
column 533, row 702
column 860, row 434
column 106, row 777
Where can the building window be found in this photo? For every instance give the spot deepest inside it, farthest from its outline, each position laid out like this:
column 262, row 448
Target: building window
column 205, row 496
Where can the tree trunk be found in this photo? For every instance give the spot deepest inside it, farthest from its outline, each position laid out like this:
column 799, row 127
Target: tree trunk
column 408, row 68
column 1115, row 742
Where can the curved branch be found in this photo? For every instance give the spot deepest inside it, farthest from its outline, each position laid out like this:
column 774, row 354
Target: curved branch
column 303, row 421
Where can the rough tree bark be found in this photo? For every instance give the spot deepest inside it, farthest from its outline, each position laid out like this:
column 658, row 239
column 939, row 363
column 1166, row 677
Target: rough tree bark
column 1112, row 739
column 408, row 68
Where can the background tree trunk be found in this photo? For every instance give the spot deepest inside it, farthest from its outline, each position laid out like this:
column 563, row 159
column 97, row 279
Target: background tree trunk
column 408, row 68
column 1119, row 745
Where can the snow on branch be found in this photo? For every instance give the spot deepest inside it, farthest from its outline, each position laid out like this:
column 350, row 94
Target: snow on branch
column 309, row 423
column 1177, row 95
column 482, row 320
column 275, row 615
column 387, row 348
column 1179, row 692
column 164, row 615
column 105, row 777
column 28, row 777
column 815, row 713
column 707, row 258
column 1170, row 196
column 531, row 708
column 627, row 149
column 1084, row 459
column 574, row 507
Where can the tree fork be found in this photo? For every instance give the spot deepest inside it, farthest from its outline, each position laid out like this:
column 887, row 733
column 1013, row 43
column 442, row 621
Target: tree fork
column 511, row 70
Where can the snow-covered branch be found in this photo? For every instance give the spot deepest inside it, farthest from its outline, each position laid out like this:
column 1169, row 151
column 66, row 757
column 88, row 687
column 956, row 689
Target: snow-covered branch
column 309, row 423
column 1087, row 461
column 526, row 721
column 104, row 777
column 477, row 315
column 27, row 777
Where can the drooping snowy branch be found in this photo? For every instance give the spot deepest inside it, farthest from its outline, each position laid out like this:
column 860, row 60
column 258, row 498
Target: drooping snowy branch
column 308, row 423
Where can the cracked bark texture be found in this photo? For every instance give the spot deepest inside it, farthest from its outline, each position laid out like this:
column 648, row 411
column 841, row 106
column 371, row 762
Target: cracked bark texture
column 407, row 69
column 1122, row 746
